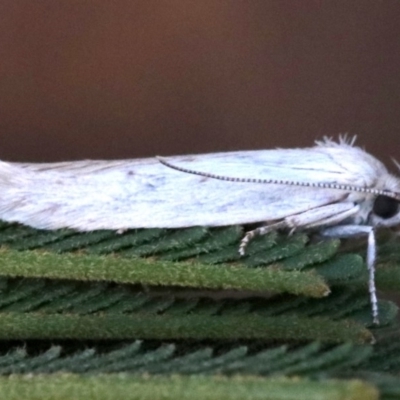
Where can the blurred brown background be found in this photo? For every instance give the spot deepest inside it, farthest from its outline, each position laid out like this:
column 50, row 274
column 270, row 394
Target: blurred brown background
column 114, row 79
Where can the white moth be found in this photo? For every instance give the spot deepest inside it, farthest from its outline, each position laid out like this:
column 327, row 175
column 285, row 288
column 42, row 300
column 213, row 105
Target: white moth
column 334, row 188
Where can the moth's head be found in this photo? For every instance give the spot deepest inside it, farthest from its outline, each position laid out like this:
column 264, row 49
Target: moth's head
column 386, row 209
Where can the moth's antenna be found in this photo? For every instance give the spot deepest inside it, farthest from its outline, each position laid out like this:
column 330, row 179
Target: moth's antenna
column 321, row 185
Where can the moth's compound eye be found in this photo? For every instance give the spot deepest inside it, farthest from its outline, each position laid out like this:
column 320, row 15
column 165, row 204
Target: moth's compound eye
column 385, row 207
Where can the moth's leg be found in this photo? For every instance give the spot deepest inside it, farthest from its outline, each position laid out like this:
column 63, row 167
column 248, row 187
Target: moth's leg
column 314, row 217
column 331, row 214
column 262, row 230
column 348, row 231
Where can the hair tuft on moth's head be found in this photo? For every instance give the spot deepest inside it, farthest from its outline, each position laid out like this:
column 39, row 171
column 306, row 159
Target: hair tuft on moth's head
column 347, row 139
column 344, row 140
column 396, row 163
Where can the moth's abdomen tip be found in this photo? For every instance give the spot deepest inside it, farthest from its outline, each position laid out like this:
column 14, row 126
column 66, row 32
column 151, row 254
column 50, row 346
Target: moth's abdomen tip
column 326, row 293
column 373, row 340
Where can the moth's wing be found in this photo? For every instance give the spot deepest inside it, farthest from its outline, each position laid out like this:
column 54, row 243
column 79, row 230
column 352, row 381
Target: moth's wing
column 336, row 163
column 325, row 163
column 89, row 195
